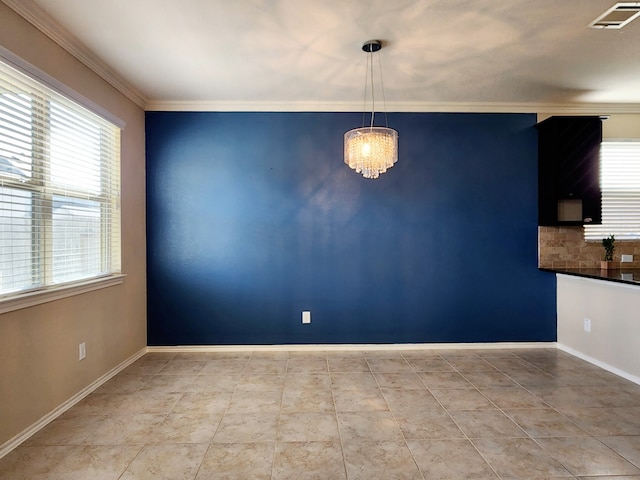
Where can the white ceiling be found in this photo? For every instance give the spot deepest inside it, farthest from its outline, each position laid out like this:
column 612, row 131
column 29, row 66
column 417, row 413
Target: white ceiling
column 256, row 54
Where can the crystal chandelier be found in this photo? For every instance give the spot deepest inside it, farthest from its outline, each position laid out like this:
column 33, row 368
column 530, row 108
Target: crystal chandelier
column 371, row 150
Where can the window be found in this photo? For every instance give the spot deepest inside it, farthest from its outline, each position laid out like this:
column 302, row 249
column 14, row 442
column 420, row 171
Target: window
column 620, row 184
column 59, row 188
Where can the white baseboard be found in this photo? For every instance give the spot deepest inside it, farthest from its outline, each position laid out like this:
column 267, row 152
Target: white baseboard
column 598, row 363
column 351, row 347
column 59, row 410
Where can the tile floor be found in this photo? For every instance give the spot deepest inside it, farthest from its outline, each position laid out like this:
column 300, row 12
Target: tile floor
column 446, row 414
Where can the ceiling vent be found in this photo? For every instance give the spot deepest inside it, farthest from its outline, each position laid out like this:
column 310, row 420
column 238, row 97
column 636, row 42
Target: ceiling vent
column 618, row 16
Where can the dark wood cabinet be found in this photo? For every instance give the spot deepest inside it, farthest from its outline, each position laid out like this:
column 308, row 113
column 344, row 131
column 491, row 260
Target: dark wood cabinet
column 569, row 170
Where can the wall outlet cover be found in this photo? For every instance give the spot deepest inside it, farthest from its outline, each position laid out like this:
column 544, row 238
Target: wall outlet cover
column 587, row 325
column 306, row 317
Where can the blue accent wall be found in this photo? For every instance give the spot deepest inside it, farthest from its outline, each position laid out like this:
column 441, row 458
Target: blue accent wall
column 254, row 217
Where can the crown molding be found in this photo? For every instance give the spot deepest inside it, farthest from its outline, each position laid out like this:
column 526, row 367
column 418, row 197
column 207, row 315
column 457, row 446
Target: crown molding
column 409, row 107
column 40, row 19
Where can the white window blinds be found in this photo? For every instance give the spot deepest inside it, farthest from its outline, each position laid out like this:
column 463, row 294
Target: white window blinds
column 620, row 184
column 59, row 188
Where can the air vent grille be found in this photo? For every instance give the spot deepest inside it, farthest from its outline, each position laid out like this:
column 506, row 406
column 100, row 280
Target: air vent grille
column 618, row 16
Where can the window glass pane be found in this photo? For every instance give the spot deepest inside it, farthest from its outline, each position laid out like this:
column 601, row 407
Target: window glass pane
column 620, row 184
column 16, row 136
column 75, row 151
column 76, row 239
column 16, row 240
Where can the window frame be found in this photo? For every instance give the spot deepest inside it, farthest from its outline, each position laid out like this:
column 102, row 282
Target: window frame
column 47, row 293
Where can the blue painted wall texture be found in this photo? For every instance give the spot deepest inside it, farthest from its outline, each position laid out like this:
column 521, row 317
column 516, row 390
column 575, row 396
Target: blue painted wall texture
column 254, row 217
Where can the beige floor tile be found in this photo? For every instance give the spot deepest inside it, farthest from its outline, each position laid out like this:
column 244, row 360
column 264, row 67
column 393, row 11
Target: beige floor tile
column 308, row 460
column 225, row 367
column 407, row 381
column 145, row 367
column 30, row 463
column 444, row 380
column 215, row 382
column 98, row 404
column 486, row 423
column 545, row 423
column 307, row 400
column 355, row 427
column 66, row 431
column 518, row 458
column 533, row 378
column 461, row 399
column 434, row 363
column 237, row 461
column 124, row 429
column 467, row 365
column 628, row 447
column 408, row 401
column 152, row 402
column 266, row 366
column 449, row 459
column 124, row 384
column 322, row 402
column 243, row 401
column 604, row 421
column 167, row 384
column 307, row 427
column 618, row 395
column 389, row 365
column 512, row 397
column 202, row 403
column 307, row 365
column 610, row 477
column 261, row 382
column 183, row 367
column 353, row 381
column 348, row 364
column 489, row 379
column 95, row 462
column 428, row 424
column 359, row 400
column 587, row 456
column 511, row 364
column 301, row 381
column 185, row 428
column 631, row 415
column 247, row 428
column 366, row 460
column 166, row 462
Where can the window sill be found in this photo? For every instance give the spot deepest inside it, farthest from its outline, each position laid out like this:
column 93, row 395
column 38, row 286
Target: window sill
column 30, row 299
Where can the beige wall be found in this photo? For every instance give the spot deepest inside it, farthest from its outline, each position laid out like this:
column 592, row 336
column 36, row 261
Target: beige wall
column 613, row 309
column 39, row 367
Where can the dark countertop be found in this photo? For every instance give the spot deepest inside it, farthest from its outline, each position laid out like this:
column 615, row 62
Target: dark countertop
column 630, row 276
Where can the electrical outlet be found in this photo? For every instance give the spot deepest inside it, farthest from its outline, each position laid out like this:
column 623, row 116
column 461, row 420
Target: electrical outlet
column 626, row 258
column 306, row 317
column 587, row 325
column 82, row 351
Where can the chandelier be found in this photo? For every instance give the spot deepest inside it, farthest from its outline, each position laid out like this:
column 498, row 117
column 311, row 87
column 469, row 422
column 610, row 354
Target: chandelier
column 371, row 150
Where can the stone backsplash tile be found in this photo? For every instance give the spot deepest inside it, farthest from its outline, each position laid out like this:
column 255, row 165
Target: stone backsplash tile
column 565, row 247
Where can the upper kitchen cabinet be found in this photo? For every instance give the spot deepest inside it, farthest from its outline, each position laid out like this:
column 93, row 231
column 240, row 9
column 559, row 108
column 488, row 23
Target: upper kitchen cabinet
column 569, row 170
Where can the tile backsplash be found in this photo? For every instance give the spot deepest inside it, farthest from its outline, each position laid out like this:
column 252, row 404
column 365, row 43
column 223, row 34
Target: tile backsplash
column 565, row 247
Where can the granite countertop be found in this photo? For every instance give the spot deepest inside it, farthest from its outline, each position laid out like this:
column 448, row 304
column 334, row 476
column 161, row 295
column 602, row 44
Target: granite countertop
column 629, row 276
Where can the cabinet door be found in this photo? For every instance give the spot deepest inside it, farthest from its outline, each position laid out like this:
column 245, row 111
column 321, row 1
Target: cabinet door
column 569, row 165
